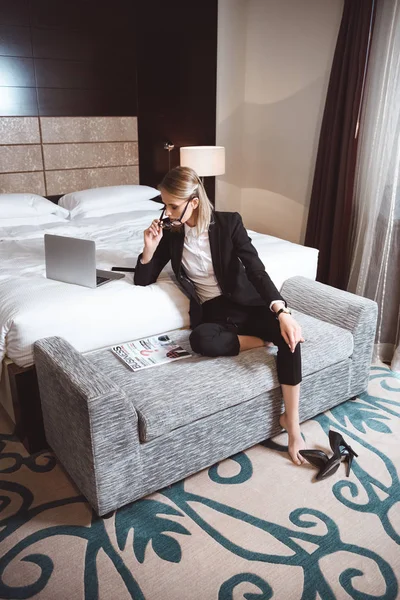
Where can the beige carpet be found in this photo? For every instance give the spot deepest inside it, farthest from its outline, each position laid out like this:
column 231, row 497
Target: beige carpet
column 255, row 526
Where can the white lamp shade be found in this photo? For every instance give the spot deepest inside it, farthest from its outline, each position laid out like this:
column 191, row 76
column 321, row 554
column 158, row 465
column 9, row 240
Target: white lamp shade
column 205, row 160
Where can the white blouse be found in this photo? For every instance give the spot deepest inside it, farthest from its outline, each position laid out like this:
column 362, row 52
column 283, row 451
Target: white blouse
column 197, row 262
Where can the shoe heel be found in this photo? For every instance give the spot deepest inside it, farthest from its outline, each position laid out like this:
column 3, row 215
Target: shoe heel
column 336, row 441
column 349, row 460
column 351, row 451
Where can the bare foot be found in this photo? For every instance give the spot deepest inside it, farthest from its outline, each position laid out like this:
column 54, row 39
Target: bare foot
column 296, row 441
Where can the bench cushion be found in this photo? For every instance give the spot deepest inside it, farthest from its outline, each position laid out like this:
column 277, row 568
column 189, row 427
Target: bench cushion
column 170, row 396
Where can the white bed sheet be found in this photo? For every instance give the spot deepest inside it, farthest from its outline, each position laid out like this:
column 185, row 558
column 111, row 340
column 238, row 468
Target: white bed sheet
column 33, row 307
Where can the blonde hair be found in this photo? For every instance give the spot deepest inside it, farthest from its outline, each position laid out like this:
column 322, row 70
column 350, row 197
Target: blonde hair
column 184, row 183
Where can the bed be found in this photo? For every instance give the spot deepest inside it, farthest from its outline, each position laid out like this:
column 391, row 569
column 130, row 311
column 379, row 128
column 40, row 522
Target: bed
column 33, row 307
column 76, row 156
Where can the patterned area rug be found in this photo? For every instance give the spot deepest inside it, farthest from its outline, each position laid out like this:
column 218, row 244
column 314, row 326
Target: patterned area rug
column 254, row 526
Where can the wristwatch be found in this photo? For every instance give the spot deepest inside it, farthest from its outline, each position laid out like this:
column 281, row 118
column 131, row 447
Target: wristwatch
column 283, row 310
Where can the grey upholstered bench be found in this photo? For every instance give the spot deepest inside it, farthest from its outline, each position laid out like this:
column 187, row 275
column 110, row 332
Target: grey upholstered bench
column 122, row 435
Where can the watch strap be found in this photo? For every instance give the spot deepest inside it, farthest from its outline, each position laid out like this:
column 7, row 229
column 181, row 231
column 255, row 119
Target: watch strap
column 283, row 310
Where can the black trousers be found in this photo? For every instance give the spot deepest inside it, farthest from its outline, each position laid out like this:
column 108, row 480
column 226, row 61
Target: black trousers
column 222, row 322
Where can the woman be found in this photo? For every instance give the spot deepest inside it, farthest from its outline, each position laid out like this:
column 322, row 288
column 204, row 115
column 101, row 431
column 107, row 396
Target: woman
column 234, row 305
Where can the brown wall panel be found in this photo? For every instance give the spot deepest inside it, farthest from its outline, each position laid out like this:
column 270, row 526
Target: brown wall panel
column 19, row 130
column 17, row 159
column 176, row 82
column 15, row 41
column 72, row 156
column 88, row 129
column 90, row 103
column 55, row 43
column 14, row 12
column 74, row 74
column 76, row 45
column 83, row 14
column 66, row 74
column 23, row 182
column 62, row 13
column 18, row 102
column 126, row 58
column 62, row 182
column 94, row 45
column 16, row 72
column 66, row 166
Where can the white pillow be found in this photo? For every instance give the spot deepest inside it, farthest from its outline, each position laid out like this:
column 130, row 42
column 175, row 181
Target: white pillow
column 124, row 211
column 36, row 220
column 28, row 205
column 106, row 200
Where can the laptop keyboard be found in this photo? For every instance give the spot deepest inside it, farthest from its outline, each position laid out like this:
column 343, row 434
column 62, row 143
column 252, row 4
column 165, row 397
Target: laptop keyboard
column 101, row 280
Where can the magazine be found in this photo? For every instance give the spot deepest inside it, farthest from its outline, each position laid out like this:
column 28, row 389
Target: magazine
column 149, row 352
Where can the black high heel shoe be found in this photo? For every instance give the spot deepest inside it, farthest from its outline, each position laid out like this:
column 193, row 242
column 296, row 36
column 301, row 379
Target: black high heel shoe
column 339, row 446
column 329, row 466
column 318, row 458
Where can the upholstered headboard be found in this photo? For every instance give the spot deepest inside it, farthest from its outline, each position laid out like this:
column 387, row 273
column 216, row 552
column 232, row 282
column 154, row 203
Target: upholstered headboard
column 52, row 156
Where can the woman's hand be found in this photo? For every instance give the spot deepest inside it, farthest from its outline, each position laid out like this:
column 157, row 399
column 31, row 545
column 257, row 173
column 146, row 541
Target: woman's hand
column 290, row 330
column 152, row 237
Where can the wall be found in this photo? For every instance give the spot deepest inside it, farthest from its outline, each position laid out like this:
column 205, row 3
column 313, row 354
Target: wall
column 56, row 155
column 289, row 47
column 177, row 71
column 67, row 58
column 84, row 58
column 231, row 65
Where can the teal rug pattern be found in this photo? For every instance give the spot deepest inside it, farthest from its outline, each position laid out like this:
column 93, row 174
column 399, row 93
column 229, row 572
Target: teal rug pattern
column 254, row 526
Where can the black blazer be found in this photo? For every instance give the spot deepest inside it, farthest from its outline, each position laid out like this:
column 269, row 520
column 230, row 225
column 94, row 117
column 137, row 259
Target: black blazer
column 238, row 269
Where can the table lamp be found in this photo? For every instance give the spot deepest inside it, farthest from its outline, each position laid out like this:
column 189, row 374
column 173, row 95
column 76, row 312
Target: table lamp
column 205, row 160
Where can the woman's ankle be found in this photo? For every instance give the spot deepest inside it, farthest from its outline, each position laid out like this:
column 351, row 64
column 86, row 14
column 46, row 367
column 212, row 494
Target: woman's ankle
column 290, row 424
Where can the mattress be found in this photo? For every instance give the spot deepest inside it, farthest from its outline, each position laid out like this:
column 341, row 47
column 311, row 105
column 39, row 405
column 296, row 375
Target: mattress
column 33, row 307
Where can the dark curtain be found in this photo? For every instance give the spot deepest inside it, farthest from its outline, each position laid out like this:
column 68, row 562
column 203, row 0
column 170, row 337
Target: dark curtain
column 331, row 204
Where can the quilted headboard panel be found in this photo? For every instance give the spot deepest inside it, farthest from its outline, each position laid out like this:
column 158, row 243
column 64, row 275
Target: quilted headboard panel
column 56, row 155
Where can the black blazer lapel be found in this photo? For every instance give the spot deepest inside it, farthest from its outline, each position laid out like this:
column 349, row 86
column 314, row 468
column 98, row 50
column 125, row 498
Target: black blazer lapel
column 176, row 248
column 215, row 247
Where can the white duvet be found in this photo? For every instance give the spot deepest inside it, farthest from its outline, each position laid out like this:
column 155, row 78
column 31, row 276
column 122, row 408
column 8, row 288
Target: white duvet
column 33, row 307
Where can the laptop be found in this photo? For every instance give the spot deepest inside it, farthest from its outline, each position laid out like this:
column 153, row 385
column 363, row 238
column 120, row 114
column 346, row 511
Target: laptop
column 73, row 260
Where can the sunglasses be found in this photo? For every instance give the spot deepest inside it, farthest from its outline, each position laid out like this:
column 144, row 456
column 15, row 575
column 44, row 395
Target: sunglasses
column 167, row 223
